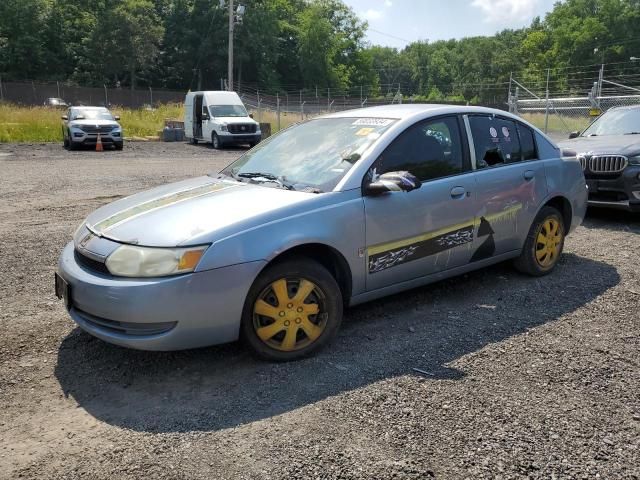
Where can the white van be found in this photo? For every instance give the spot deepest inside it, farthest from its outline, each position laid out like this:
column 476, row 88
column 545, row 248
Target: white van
column 220, row 118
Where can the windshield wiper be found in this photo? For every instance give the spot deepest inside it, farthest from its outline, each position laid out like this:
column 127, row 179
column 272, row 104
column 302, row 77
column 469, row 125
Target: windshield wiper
column 269, row 177
column 632, row 133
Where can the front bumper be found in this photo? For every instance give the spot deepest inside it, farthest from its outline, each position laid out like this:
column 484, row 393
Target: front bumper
column 232, row 138
column 170, row 313
column 80, row 137
column 621, row 192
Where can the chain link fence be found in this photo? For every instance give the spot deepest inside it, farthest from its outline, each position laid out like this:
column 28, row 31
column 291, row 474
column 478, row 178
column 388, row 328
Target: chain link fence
column 559, row 113
column 34, row 94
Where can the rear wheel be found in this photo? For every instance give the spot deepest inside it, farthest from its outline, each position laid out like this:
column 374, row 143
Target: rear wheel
column 65, row 141
column 544, row 244
column 293, row 309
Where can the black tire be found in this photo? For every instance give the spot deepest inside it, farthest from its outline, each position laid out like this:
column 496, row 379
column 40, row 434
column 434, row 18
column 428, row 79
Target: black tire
column 529, row 262
column 65, row 141
column 288, row 322
column 118, row 145
column 72, row 144
column 215, row 141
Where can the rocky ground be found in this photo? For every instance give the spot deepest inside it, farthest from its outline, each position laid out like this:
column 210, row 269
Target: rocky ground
column 519, row 377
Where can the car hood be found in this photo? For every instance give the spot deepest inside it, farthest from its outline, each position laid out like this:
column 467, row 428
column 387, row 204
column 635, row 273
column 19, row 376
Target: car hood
column 94, row 122
column 235, row 120
column 628, row 145
column 195, row 211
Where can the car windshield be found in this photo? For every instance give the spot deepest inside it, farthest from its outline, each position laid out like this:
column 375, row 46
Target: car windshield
column 314, row 154
column 615, row 122
column 228, row 111
column 91, row 114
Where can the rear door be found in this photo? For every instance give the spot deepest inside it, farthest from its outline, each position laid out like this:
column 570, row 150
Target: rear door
column 510, row 184
column 410, row 235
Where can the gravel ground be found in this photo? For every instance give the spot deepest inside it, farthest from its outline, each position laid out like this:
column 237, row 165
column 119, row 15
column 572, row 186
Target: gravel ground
column 523, row 377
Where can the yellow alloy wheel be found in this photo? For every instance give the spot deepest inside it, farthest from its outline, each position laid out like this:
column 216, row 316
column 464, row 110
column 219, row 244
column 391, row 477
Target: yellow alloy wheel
column 548, row 242
column 290, row 314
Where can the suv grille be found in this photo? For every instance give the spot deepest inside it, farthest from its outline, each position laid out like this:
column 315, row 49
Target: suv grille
column 607, row 163
column 90, row 263
column 242, row 128
column 583, row 162
column 97, row 129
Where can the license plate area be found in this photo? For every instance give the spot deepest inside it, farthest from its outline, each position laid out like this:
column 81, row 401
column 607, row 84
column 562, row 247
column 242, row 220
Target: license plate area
column 63, row 291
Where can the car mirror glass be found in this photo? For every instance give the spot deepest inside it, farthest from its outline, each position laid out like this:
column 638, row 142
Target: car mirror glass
column 393, row 182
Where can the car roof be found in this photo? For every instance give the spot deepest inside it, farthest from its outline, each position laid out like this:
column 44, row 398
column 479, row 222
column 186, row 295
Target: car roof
column 408, row 110
column 625, row 107
column 89, row 108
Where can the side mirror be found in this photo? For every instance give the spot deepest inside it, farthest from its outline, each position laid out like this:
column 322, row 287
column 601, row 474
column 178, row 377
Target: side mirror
column 393, row 182
column 574, row 134
column 64, row 117
column 116, row 118
column 251, row 115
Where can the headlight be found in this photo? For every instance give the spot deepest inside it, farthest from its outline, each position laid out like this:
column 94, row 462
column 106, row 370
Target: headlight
column 132, row 261
column 223, row 127
column 634, row 160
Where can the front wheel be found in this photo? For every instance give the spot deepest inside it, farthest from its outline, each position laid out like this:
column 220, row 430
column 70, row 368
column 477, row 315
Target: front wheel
column 65, row 141
column 543, row 245
column 215, row 141
column 293, row 309
column 119, row 145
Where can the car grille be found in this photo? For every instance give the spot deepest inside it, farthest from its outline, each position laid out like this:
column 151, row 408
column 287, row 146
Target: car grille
column 97, row 128
column 242, row 128
column 607, row 163
column 90, row 263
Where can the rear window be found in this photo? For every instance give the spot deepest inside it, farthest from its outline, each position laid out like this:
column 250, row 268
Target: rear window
column 495, row 140
column 527, row 143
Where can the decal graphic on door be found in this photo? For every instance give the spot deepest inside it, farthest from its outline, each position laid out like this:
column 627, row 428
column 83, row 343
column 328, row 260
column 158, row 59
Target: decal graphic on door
column 387, row 255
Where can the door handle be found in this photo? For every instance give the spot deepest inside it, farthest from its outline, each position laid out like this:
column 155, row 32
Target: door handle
column 458, row 192
column 529, row 174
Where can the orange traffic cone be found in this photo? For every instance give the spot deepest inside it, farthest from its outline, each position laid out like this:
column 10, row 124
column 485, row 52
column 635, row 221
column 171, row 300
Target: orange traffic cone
column 99, row 147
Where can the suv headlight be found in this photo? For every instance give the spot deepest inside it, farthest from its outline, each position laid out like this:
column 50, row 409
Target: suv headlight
column 223, row 127
column 133, row 261
column 634, row 160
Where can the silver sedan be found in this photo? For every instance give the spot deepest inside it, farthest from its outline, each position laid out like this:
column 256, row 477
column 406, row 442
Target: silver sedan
column 330, row 213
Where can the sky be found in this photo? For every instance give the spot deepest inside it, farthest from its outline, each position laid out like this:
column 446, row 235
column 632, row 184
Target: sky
column 395, row 23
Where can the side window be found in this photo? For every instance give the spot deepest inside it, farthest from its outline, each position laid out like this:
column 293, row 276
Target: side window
column 495, row 140
column 429, row 149
column 527, row 143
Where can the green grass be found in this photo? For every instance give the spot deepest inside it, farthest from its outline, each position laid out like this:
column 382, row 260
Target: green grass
column 41, row 124
column 558, row 123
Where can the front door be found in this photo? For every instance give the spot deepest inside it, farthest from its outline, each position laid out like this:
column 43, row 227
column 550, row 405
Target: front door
column 510, row 184
column 410, row 235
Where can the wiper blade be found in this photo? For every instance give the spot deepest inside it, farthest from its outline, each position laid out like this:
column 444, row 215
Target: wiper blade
column 270, row 177
column 632, row 133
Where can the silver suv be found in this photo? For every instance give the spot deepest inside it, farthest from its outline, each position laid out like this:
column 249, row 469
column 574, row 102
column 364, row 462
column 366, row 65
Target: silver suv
column 83, row 125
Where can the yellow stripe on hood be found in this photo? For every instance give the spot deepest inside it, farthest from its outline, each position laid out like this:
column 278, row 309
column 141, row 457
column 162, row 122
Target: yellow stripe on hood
column 131, row 212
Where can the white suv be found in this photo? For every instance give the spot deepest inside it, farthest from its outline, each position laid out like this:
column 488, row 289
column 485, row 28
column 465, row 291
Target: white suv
column 82, row 125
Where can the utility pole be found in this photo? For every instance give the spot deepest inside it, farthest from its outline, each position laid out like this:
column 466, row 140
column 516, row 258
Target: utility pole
column 230, row 65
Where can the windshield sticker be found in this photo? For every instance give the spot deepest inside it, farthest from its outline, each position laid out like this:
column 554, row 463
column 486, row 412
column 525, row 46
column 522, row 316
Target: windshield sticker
column 373, row 122
column 363, row 132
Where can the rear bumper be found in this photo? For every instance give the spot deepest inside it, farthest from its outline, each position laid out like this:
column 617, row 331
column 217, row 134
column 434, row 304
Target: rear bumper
column 621, row 192
column 170, row 313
